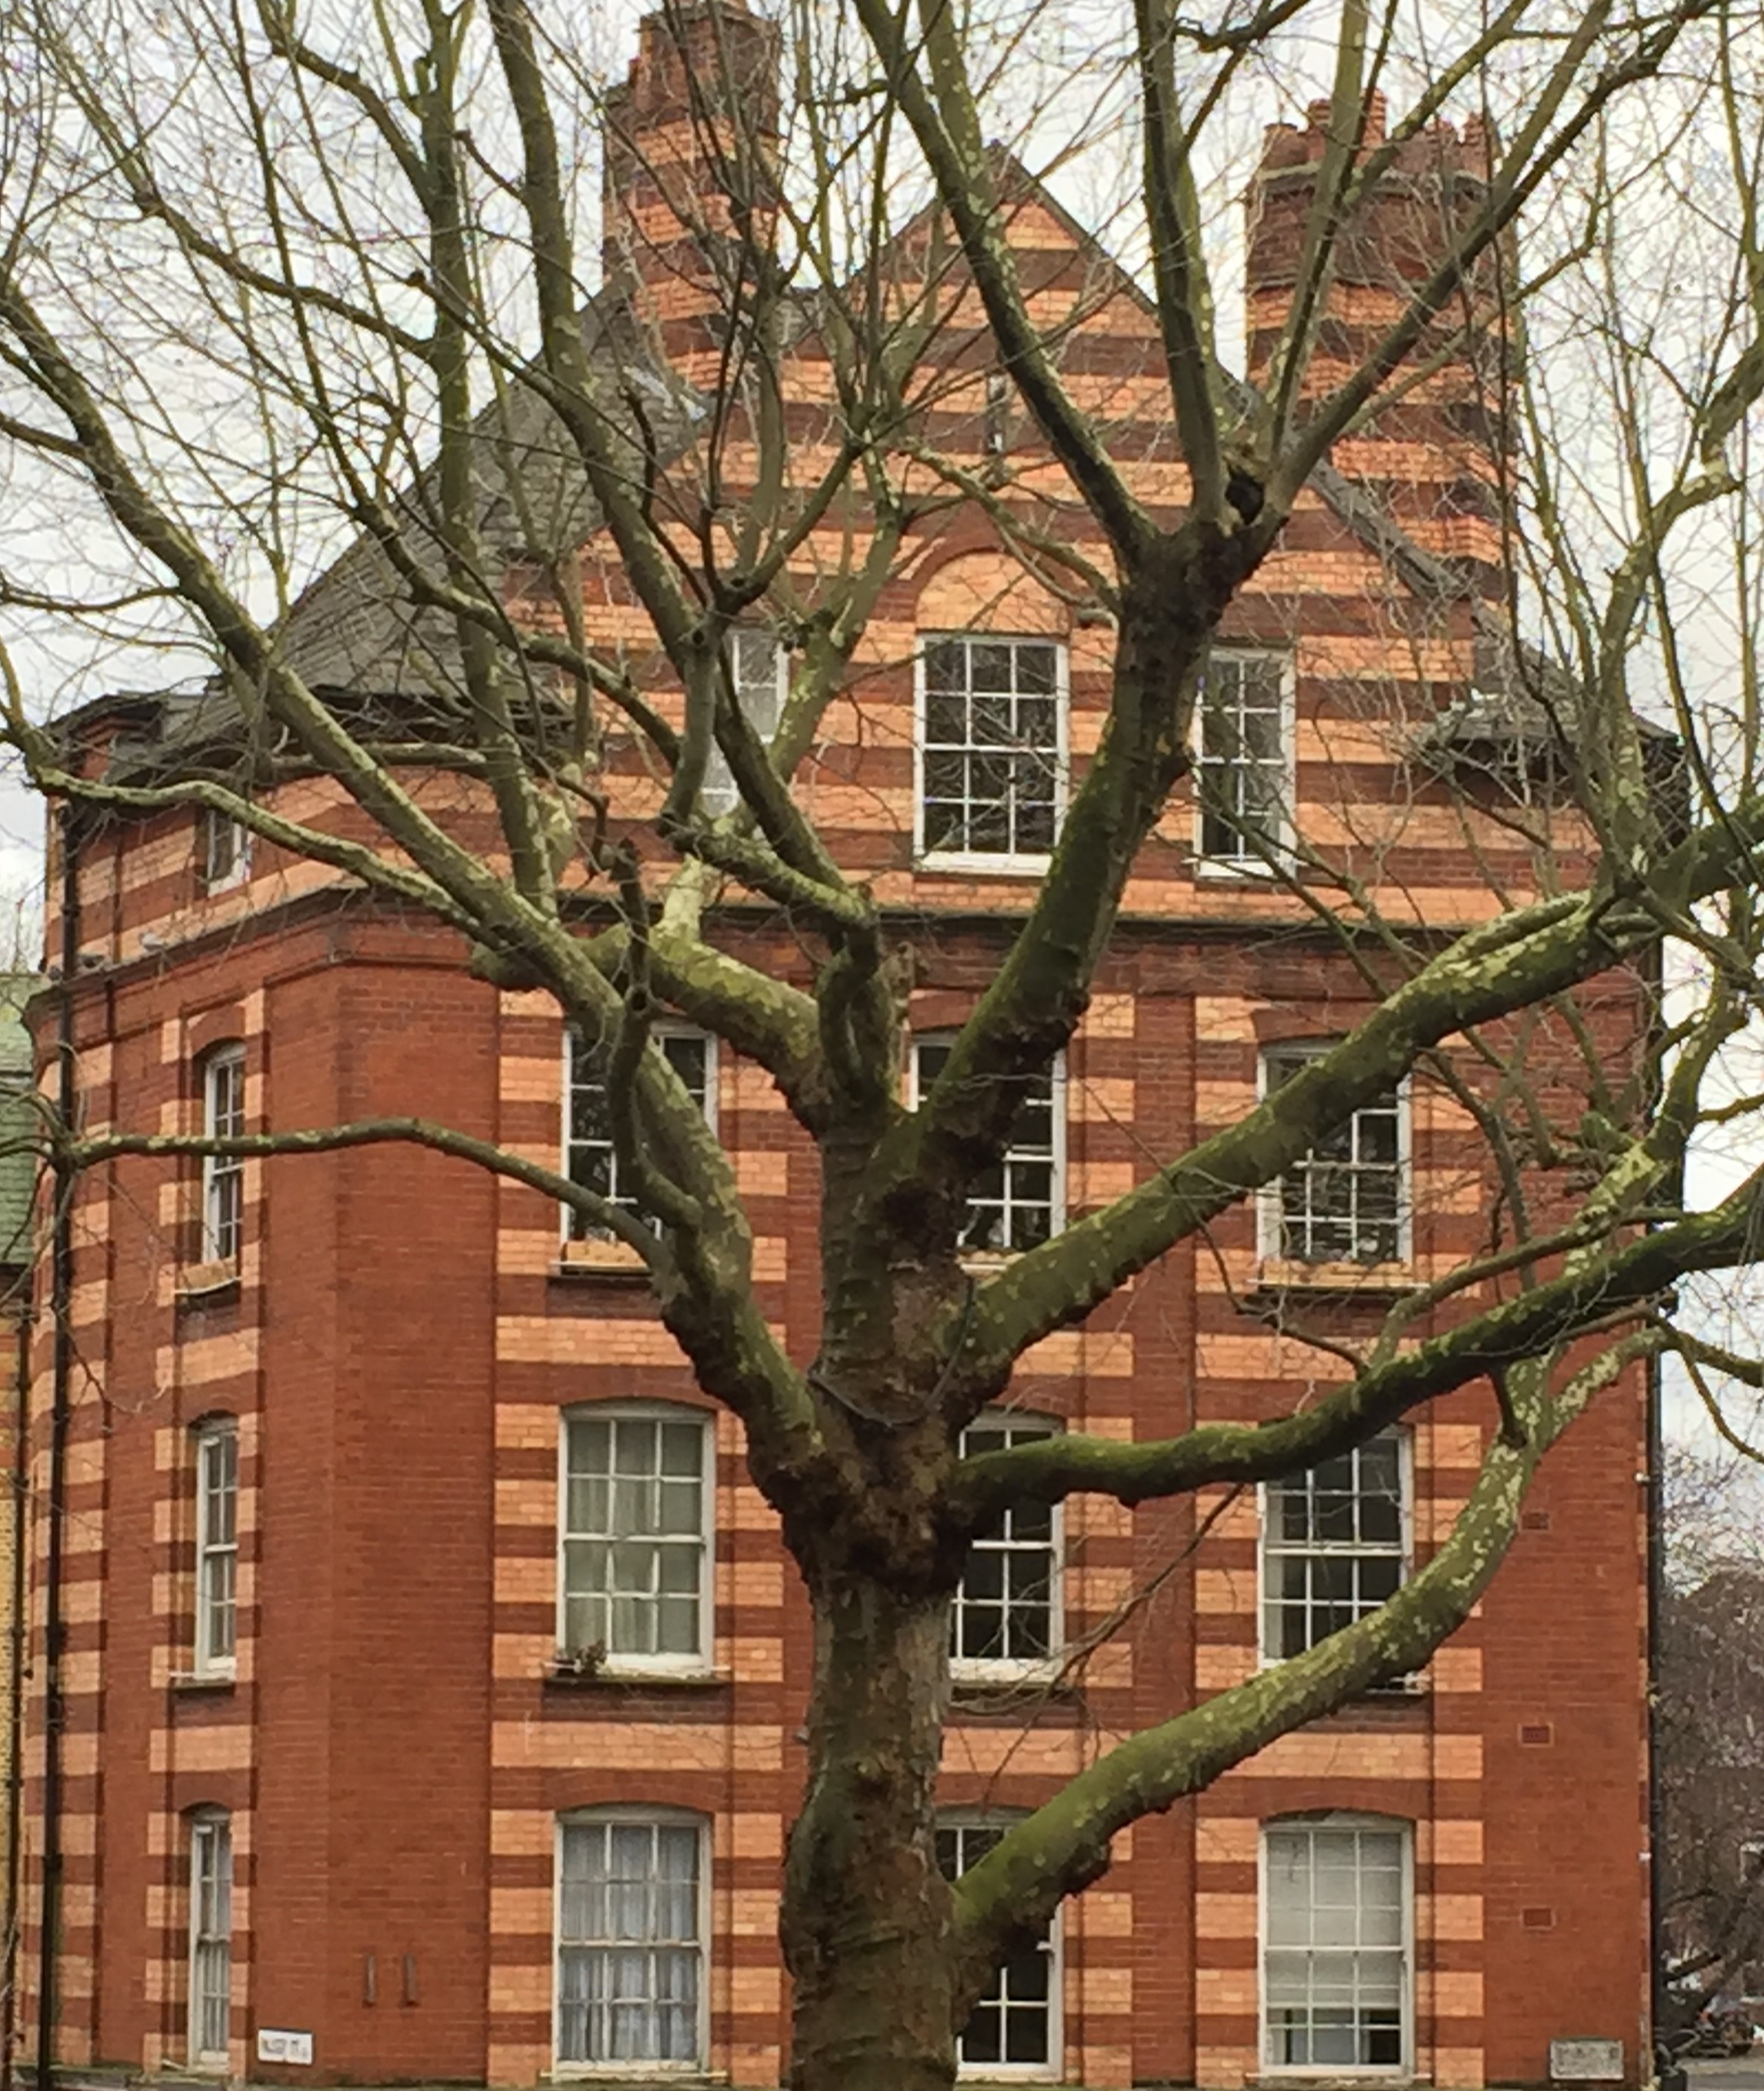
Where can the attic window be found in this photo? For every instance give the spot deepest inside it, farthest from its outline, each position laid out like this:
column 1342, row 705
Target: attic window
column 759, row 669
column 223, row 850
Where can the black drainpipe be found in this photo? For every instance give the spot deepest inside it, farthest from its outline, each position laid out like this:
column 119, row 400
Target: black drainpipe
column 21, row 1538
column 1656, row 1532
column 61, row 1302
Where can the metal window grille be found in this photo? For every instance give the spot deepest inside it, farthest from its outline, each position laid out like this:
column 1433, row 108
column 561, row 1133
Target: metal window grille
column 217, row 1546
column 211, row 1938
column 634, row 1499
column 1011, row 2028
column 630, row 1949
column 991, row 775
column 226, row 850
column 1015, row 1204
column 590, row 1158
column 1002, row 1613
column 1344, row 1202
column 223, row 1175
column 757, row 672
column 1335, row 1969
column 1334, row 1546
column 1244, row 772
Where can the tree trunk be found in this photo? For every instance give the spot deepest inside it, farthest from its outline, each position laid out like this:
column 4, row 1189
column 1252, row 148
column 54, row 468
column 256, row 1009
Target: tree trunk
column 866, row 1913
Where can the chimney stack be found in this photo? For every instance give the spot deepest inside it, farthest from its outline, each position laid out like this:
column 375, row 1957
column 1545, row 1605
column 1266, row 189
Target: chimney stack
column 691, row 152
column 1435, row 456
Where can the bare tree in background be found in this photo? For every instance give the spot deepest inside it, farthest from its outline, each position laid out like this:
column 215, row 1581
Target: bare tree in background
column 1710, row 1740
column 270, row 280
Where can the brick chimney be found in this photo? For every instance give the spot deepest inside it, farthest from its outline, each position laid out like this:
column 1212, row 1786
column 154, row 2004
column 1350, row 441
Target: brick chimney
column 1434, row 454
column 691, row 151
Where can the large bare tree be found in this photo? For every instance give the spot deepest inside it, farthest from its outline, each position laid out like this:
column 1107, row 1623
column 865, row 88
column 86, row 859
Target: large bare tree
column 275, row 281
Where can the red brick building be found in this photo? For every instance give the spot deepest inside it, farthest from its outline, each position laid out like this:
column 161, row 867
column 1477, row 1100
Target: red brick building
column 432, row 1670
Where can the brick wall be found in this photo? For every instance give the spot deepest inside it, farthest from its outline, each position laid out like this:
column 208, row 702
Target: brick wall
column 402, row 1342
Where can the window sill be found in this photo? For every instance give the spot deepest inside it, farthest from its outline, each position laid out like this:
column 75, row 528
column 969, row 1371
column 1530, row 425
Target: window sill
column 985, row 867
column 1288, row 1274
column 563, row 1678
column 202, row 1680
column 204, row 1281
column 600, row 1259
column 977, row 1676
column 687, row 2073
column 1322, row 2080
column 1231, row 871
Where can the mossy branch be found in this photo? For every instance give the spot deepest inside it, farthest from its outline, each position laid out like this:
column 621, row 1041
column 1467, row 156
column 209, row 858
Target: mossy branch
column 1064, row 1845
column 1510, row 964
column 88, row 1150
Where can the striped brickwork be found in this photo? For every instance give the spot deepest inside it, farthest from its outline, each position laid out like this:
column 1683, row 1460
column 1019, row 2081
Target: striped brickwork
column 404, row 1338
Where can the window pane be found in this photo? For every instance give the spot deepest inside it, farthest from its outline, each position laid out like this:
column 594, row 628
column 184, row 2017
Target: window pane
column 1243, row 779
column 1332, row 1547
column 1343, row 1202
column 1333, row 1975
column 629, row 1952
column 1003, row 1609
column 1012, row 2022
column 991, row 740
column 633, row 1553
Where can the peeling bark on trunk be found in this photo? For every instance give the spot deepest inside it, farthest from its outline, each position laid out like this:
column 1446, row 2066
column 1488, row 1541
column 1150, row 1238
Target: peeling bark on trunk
column 866, row 1917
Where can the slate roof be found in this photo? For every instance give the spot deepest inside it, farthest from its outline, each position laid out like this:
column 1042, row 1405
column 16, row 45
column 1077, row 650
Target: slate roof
column 354, row 635
column 354, row 629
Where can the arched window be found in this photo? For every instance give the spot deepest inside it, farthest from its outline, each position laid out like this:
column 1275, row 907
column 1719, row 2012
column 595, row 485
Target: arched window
column 590, row 1158
column 1244, row 761
column 223, row 1175
column 211, row 1936
column 1347, row 1200
column 224, row 847
column 635, row 1503
column 215, row 1445
column 1337, row 1945
column 632, row 1931
column 1334, row 1543
column 991, row 749
column 1020, row 1200
column 1014, row 2029
column 1005, row 1620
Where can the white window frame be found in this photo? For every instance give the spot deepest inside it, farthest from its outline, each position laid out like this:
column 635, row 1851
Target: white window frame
column 1403, row 2069
column 1270, row 1199
column 216, row 1442
column 1270, row 1548
column 1029, row 1425
column 223, row 1175
column 573, row 1226
column 717, row 794
column 1057, row 1143
column 1249, row 863
column 212, row 825
column 659, row 1817
column 987, row 860
column 1052, row 2069
column 695, row 1663
column 209, row 1847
